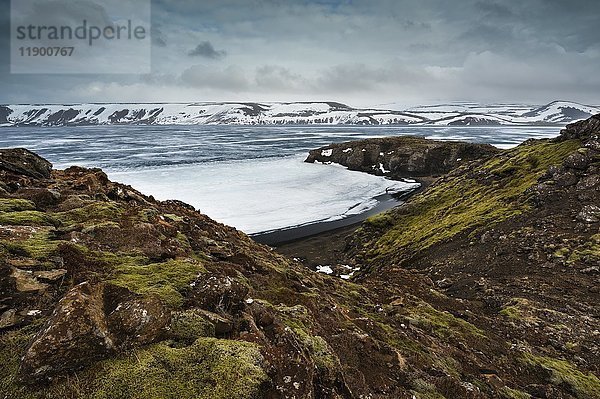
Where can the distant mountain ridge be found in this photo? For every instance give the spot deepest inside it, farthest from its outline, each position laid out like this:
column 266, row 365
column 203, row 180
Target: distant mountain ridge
column 300, row 113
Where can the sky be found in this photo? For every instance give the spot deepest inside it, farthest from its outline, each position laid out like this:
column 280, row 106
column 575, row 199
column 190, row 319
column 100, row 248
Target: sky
column 361, row 53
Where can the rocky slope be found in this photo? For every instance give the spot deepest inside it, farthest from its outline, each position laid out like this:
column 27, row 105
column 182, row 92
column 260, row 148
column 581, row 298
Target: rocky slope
column 401, row 157
column 320, row 113
column 483, row 286
column 516, row 240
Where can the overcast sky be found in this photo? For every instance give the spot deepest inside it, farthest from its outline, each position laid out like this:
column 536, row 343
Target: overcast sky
column 357, row 52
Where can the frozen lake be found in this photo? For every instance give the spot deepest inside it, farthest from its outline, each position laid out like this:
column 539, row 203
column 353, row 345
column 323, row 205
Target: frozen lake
column 253, row 178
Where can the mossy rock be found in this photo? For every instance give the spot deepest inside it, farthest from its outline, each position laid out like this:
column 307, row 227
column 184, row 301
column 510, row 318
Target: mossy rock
column 39, row 245
column 90, row 214
column 189, row 325
column 14, row 205
column 169, row 279
column 27, row 218
column 208, row 369
column 91, row 229
column 509, row 393
column 562, row 372
column 442, row 324
column 587, row 253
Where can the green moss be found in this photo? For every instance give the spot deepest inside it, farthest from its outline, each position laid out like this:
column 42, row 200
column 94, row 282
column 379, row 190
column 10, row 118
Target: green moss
column 90, row 229
column 319, row 350
column 94, row 212
column 184, row 242
column 15, row 205
column 39, row 245
column 208, row 369
column 168, row 279
column 562, row 372
column 189, row 325
column 509, row 393
column 441, row 324
column 561, row 253
column 571, row 345
column 405, row 345
column 148, row 214
column 299, row 320
column 463, row 202
column 588, row 252
column 172, row 217
column 512, row 312
column 276, row 293
column 422, row 389
column 27, row 218
column 523, row 310
column 12, row 345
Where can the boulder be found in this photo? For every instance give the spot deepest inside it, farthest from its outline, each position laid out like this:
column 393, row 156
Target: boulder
column 50, row 275
column 42, row 197
column 191, row 324
column 135, row 320
column 223, row 325
column 589, row 214
column 76, row 334
column 577, row 161
column 24, row 162
column 218, row 294
column 26, row 282
column 8, row 319
column 91, row 322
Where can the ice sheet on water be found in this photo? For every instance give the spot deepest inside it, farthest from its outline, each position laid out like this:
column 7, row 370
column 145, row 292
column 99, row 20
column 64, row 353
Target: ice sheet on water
column 264, row 194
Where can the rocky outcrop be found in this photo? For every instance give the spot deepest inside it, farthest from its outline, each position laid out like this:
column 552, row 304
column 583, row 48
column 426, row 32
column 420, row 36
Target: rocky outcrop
column 518, row 234
column 4, row 113
column 401, row 157
column 582, row 130
column 91, row 322
column 23, row 162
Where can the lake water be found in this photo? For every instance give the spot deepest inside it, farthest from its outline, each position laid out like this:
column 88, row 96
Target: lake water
column 253, row 178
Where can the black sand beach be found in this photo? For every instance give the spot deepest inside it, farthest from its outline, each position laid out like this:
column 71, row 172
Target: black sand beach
column 282, row 236
column 287, row 235
column 322, row 243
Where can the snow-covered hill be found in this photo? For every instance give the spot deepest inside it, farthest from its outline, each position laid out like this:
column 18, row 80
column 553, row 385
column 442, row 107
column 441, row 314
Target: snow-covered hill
column 326, row 113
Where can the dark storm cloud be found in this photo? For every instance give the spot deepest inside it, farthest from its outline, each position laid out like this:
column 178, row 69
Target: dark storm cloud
column 356, row 51
column 205, row 49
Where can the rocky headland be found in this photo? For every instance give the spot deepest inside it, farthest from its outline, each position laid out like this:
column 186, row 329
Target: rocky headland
column 401, row 157
column 484, row 285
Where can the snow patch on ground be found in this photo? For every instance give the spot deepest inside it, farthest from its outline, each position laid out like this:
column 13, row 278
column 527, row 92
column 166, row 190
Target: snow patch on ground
column 324, row 269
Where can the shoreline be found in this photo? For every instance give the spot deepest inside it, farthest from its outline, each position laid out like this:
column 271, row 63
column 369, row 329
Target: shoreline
column 293, row 234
